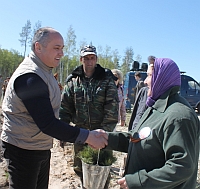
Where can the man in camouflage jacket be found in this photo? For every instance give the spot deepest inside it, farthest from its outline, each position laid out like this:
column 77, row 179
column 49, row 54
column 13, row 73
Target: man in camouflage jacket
column 90, row 98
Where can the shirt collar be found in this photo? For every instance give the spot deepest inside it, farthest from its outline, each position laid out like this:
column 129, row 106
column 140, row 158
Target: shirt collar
column 38, row 62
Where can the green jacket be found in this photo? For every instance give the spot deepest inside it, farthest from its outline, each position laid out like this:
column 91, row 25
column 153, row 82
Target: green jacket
column 168, row 157
column 90, row 103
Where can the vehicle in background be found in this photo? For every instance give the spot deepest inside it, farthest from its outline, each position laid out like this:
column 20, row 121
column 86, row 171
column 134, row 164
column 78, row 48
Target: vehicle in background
column 190, row 90
column 130, row 83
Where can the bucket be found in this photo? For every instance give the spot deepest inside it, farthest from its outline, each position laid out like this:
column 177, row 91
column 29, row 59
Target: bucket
column 94, row 176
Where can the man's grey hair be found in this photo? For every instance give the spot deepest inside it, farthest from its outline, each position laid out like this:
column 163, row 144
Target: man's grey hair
column 150, row 58
column 41, row 36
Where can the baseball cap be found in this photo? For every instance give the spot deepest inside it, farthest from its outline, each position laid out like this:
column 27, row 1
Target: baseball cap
column 88, row 49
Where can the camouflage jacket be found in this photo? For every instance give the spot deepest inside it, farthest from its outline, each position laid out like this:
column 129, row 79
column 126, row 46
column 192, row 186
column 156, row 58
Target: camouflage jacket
column 90, row 103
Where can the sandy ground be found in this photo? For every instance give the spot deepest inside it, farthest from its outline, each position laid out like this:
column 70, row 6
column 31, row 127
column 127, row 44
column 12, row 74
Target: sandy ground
column 62, row 175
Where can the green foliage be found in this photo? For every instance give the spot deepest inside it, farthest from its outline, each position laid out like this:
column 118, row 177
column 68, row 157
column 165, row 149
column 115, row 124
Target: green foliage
column 66, row 67
column 127, row 60
column 9, row 61
column 90, row 156
column 69, row 49
column 107, row 58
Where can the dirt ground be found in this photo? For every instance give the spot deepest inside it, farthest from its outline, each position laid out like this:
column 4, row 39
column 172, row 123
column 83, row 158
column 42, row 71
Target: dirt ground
column 62, row 175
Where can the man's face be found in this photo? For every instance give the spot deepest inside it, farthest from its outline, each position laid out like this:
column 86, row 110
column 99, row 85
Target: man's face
column 136, row 78
column 89, row 62
column 52, row 53
column 147, row 81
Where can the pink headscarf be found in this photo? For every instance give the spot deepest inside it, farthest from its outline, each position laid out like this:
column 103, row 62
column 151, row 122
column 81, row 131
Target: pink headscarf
column 165, row 75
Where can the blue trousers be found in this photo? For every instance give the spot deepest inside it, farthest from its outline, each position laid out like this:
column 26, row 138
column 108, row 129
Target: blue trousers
column 28, row 169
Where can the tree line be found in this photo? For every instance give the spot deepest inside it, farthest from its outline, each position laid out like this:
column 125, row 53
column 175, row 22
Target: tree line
column 108, row 58
column 9, row 61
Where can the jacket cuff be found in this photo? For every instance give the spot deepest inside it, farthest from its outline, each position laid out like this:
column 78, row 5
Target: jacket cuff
column 83, row 134
column 133, row 181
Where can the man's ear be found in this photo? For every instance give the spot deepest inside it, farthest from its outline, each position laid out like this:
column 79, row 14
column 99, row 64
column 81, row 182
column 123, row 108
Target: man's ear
column 38, row 47
column 81, row 59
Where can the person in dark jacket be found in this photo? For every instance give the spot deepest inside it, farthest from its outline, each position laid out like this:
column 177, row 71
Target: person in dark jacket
column 163, row 148
column 139, row 108
column 139, row 85
column 90, row 98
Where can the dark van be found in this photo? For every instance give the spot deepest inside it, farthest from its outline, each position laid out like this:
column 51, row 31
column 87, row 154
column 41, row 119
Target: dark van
column 190, row 89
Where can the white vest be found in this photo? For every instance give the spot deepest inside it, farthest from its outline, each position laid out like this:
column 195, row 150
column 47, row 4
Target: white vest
column 19, row 129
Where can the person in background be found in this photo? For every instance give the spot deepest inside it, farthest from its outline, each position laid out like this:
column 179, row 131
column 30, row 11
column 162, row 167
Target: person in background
column 59, row 84
column 163, row 148
column 5, row 84
column 1, row 87
column 122, row 108
column 139, row 108
column 140, row 102
column 31, row 115
column 140, row 83
column 90, row 98
column 151, row 59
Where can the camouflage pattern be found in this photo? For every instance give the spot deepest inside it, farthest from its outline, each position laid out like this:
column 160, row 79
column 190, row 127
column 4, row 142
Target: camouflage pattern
column 90, row 103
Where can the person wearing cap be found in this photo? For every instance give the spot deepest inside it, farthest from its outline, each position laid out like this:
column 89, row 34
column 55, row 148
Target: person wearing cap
column 90, row 98
column 31, row 115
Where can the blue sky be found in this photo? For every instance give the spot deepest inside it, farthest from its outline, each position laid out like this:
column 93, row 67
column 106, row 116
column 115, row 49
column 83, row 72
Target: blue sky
column 164, row 28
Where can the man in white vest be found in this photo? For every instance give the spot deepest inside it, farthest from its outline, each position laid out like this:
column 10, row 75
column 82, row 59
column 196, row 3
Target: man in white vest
column 31, row 115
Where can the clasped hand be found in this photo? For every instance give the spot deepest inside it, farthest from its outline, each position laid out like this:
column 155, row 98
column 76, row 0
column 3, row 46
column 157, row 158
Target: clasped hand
column 122, row 183
column 97, row 139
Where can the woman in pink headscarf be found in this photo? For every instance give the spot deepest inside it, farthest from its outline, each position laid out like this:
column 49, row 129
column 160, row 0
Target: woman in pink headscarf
column 163, row 149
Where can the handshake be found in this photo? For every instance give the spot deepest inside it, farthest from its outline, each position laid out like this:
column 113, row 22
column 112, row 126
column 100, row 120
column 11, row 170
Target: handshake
column 97, row 139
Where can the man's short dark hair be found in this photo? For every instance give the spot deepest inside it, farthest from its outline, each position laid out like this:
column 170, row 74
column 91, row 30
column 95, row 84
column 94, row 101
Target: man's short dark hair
column 138, row 74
